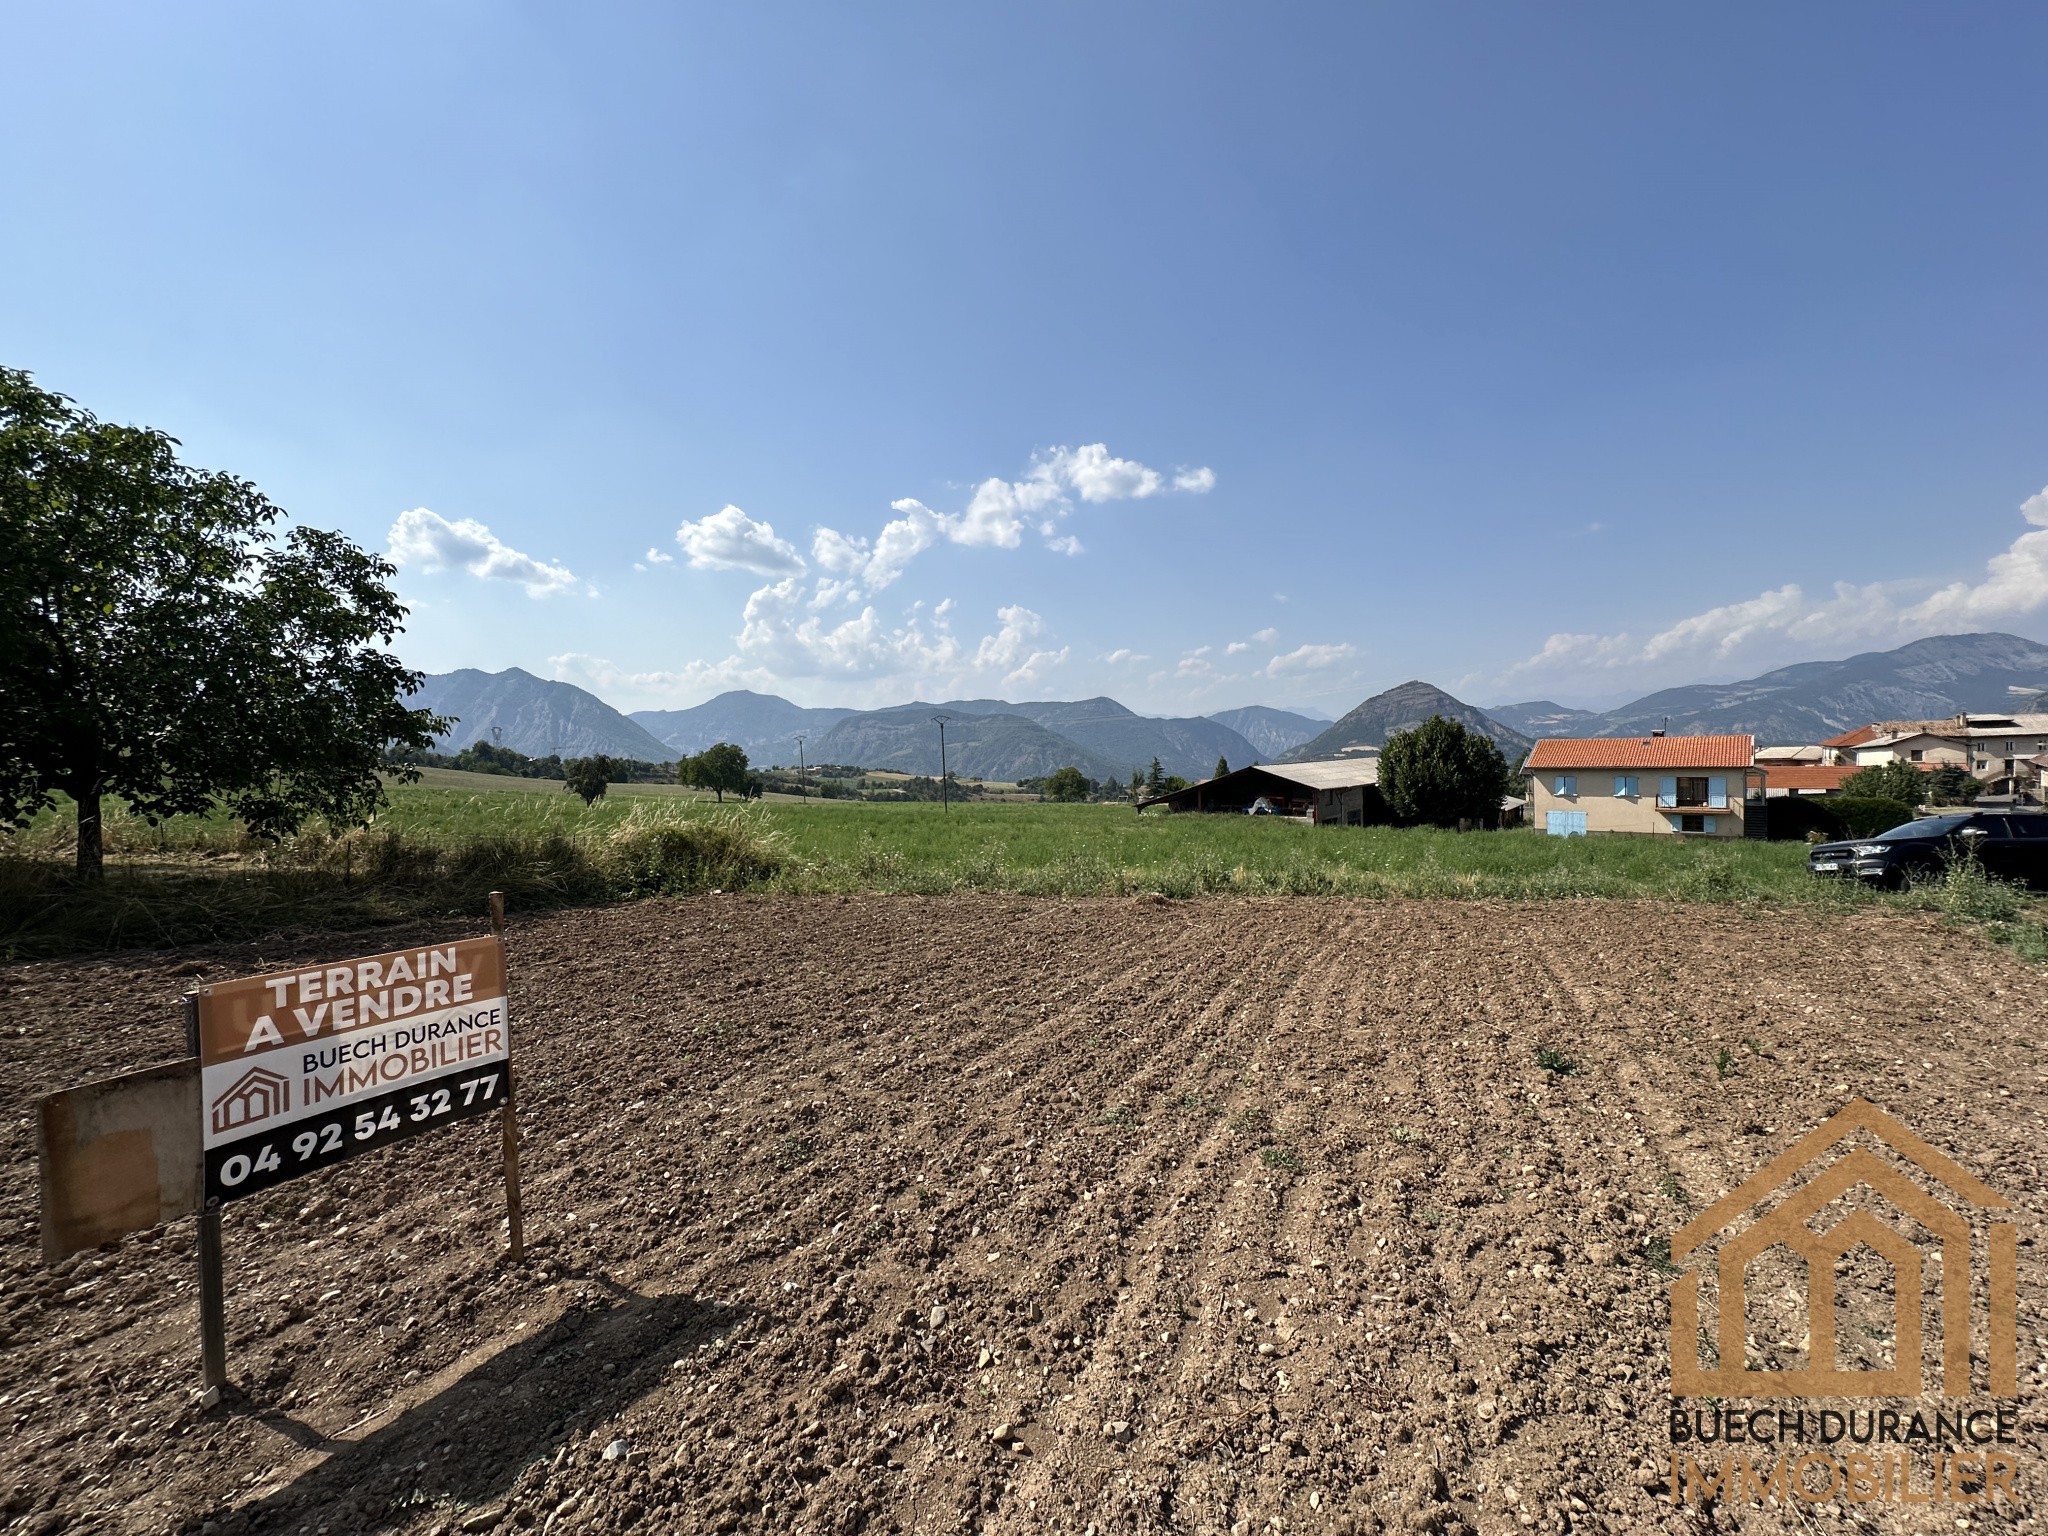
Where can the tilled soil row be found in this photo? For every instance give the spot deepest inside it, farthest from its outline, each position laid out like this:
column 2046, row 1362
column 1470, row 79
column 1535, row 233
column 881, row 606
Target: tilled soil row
column 940, row 1215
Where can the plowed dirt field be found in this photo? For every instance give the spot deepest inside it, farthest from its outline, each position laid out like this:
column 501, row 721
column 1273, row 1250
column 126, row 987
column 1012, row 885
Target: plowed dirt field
column 920, row 1215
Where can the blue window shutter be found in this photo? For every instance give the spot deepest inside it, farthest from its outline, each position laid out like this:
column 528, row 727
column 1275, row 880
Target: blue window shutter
column 1667, row 789
column 1717, row 791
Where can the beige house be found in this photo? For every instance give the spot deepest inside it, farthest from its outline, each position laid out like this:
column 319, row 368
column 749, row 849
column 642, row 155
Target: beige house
column 1690, row 786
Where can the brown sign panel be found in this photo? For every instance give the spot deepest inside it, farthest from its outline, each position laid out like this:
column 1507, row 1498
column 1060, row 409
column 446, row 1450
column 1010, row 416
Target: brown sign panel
column 118, row 1156
column 304, row 1068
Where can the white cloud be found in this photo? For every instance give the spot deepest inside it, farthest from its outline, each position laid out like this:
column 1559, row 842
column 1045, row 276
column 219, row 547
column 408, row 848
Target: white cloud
column 1309, row 658
column 1123, row 655
column 998, row 513
column 429, row 542
column 729, row 540
column 2014, row 585
column 1258, row 638
column 1010, row 647
column 627, row 689
column 1094, row 474
column 654, row 556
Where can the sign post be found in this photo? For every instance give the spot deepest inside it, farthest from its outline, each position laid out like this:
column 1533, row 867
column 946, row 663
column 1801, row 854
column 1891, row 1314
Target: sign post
column 515, row 1225
column 288, row 1073
column 213, row 1305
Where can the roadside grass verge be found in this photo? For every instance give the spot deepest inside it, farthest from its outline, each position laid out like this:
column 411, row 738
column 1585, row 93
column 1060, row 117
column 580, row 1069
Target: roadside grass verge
column 437, row 850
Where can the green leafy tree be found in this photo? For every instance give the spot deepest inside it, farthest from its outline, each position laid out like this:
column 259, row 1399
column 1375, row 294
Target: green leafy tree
column 162, row 642
column 1111, row 790
column 721, row 769
column 1951, row 785
column 1155, row 779
column 486, row 757
column 589, row 777
column 1440, row 773
column 1067, row 785
column 1222, row 767
column 1888, row 781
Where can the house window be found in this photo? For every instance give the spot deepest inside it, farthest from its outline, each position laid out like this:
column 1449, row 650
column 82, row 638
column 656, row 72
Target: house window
column 1627, row 786
column 1916, row 754
column 1692, row 791
column 1565, row 784
column 1692, row 824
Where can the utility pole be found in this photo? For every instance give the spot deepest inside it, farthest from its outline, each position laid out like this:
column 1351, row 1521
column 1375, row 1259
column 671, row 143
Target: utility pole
column 803, row 783
column 945, row 795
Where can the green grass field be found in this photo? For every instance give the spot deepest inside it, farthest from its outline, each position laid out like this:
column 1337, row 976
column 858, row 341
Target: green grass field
column 442, row 844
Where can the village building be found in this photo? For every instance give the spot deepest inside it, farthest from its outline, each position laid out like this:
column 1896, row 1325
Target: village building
column 1689, row 786
column 1783, row 779
column 1340, row 792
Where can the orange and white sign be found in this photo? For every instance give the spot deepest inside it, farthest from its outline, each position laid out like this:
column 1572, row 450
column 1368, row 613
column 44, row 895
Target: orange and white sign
column 303, row 1068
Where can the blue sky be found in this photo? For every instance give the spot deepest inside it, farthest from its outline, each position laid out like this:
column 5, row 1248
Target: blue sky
column 1197, row 354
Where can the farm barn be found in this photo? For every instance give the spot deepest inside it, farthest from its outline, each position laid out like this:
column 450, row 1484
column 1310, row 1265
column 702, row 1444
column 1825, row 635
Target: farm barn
column 1340, row 792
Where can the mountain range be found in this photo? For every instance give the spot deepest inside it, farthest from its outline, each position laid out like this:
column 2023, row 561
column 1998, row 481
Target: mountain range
column 1924, row 680
column 762, row 725
column 996, row 739
column 530, row 714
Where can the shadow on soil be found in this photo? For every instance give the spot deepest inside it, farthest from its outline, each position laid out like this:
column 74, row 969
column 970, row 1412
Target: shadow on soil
column 468, row 1444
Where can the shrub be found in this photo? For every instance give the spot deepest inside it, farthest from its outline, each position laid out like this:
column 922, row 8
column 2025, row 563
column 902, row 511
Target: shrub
column 1795, row 818
column 1864, row 817
column 654, row 854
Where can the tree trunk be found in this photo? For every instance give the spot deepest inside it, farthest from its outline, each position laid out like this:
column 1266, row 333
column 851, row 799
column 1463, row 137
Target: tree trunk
column 90, row 867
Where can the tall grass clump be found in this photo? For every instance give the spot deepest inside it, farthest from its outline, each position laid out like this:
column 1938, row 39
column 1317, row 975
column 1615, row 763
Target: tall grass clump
column 660, row 853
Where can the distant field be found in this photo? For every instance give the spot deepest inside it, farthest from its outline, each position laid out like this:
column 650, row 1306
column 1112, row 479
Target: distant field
column 441, row 844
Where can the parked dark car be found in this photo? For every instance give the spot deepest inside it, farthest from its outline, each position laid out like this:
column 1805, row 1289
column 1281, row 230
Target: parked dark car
column 2010, row 847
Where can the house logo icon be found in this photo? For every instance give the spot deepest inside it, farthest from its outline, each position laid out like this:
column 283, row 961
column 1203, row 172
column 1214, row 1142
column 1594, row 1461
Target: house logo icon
column 1864, row 1183
column 256, row 1095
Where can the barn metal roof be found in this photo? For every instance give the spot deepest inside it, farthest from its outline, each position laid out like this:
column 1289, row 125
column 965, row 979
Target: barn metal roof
column 1328, row 773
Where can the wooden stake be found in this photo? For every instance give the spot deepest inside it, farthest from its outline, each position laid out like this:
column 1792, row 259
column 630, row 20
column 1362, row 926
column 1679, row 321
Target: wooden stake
column 508, row 1122
column 213, row 1310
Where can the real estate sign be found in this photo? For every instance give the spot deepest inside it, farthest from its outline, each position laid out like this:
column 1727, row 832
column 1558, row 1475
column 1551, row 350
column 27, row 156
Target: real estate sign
column 303, row 1069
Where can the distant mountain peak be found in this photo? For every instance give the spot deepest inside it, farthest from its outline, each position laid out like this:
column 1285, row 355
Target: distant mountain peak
column 1402, row 708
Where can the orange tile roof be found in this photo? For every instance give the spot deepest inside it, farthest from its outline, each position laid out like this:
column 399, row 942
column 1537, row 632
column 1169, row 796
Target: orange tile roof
column 1806, row 776
column 1643, row 752
column 1854, row 738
